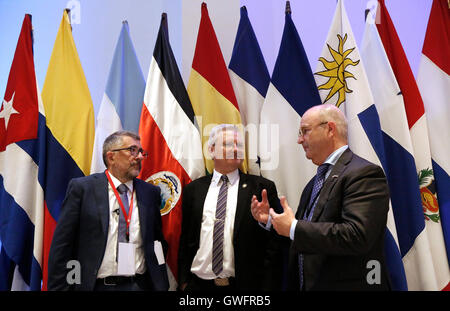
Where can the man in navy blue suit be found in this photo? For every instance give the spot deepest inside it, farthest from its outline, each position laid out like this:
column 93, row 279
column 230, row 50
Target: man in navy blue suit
column 110, row 224
column 338, row 229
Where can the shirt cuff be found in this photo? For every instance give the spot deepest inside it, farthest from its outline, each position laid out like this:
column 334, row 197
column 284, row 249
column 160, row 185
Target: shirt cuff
column 292, row 231
column 268, row 225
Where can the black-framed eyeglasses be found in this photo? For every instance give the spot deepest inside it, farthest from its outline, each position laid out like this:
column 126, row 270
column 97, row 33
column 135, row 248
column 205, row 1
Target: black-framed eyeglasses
column 134, row 150
column 305, row 131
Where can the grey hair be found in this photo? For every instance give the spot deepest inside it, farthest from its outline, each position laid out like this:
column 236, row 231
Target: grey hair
column 114, row 140
column 328, row 112
column 220, row 128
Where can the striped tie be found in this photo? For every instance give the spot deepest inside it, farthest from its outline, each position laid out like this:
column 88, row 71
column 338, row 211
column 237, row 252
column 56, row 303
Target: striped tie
column 318, row 183
column 122, row 231
column 217, row 259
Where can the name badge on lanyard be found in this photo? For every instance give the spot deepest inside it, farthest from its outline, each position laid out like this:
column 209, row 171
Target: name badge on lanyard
column 125, row 214
column 126, row 253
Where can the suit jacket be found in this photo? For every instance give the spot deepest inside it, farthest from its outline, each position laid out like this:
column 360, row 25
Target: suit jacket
column 346, row 230
column 82, row 231
column 256, row 250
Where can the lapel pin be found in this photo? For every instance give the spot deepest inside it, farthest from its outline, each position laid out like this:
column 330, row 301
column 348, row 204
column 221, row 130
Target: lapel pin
column 244, row 185
column 334, row 176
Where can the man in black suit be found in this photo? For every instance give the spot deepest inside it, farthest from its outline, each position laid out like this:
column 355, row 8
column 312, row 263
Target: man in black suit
column 338, row 231
column 246, row 255
column 110, row 224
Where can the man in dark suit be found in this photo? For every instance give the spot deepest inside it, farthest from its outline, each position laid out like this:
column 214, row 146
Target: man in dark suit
column 229, row 249
column 110, row 224
column 338, row 231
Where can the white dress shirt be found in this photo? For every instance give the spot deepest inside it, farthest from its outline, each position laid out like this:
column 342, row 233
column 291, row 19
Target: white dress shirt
column 202, row 263
column 109, row 263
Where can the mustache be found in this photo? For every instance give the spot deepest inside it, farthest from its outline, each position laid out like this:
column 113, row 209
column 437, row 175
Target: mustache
column 138, row 163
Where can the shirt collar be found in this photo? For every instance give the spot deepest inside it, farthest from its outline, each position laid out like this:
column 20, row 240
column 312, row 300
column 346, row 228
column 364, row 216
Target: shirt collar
column 117, row 182
column 232, row 176
column 334, row 157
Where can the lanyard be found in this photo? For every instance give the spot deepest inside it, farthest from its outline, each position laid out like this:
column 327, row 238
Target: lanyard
column 127, row 216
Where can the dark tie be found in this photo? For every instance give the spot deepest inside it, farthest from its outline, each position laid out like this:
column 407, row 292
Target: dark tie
column 217, row 255
column 122, row 232
column 318, row 183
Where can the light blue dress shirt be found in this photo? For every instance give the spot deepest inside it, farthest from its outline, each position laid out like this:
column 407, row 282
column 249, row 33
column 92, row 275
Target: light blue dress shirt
column 332, row 159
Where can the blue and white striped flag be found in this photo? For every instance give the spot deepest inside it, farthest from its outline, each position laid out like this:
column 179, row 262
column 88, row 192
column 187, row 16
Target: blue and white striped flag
column 342, row 81
column 250, row 79
column 122, row 102
column 291, row 92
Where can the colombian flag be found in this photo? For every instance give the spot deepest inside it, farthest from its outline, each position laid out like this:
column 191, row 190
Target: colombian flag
column 70, row 127
column 209, row 87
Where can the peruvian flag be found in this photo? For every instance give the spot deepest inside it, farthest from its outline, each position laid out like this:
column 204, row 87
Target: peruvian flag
column 429, row 269
column 168, row 133
column 434, row 84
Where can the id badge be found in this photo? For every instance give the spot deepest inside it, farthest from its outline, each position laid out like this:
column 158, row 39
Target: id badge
column 126, row 259
column 159, row 252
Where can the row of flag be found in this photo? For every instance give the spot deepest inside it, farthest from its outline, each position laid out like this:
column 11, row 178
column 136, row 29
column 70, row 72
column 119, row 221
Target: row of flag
column 394, row 122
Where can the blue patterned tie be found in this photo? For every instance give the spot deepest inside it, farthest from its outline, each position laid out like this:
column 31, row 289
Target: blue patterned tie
column 217, row 255
column 122, row 231
column 318, row 183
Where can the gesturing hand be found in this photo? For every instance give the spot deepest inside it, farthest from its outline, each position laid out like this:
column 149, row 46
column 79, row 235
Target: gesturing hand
column 260, row 210
column 282, row 222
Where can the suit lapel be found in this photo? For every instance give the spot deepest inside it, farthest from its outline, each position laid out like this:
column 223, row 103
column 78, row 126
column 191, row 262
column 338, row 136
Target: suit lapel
column 304, row 200
column 202, row 191
column 330, row 182
column 141, row 207
column 102, row 201
column 243, row 202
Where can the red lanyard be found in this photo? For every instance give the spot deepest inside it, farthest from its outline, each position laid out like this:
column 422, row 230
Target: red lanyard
column 127, row 216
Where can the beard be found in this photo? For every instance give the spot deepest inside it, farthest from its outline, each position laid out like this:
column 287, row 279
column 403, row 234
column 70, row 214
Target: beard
column 134, row 170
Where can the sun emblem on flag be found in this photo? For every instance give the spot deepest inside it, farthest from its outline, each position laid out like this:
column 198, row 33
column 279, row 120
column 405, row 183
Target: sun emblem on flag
column 336, row 71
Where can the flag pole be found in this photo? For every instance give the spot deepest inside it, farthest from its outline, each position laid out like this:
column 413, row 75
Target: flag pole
column 165, row 24
column 288, row 7
column 68, row 16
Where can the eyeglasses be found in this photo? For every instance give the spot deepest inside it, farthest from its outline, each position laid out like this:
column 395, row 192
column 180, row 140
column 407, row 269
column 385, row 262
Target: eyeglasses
column 305, row 131
column 134, row 150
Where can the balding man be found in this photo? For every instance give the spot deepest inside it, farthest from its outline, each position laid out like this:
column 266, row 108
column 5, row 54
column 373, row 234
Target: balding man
column 338, row 231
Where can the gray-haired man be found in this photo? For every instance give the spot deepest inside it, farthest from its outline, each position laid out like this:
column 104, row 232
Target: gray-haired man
column 221, row 245
column 111, row 225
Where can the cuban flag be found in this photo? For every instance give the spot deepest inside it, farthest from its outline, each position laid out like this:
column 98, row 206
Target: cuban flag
column 250, row 79
column 168, row 132
column 22, row 151
column 422, row 271
column 342, row 81
column 122, row 102
column 291, row 92
column 434, row 83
